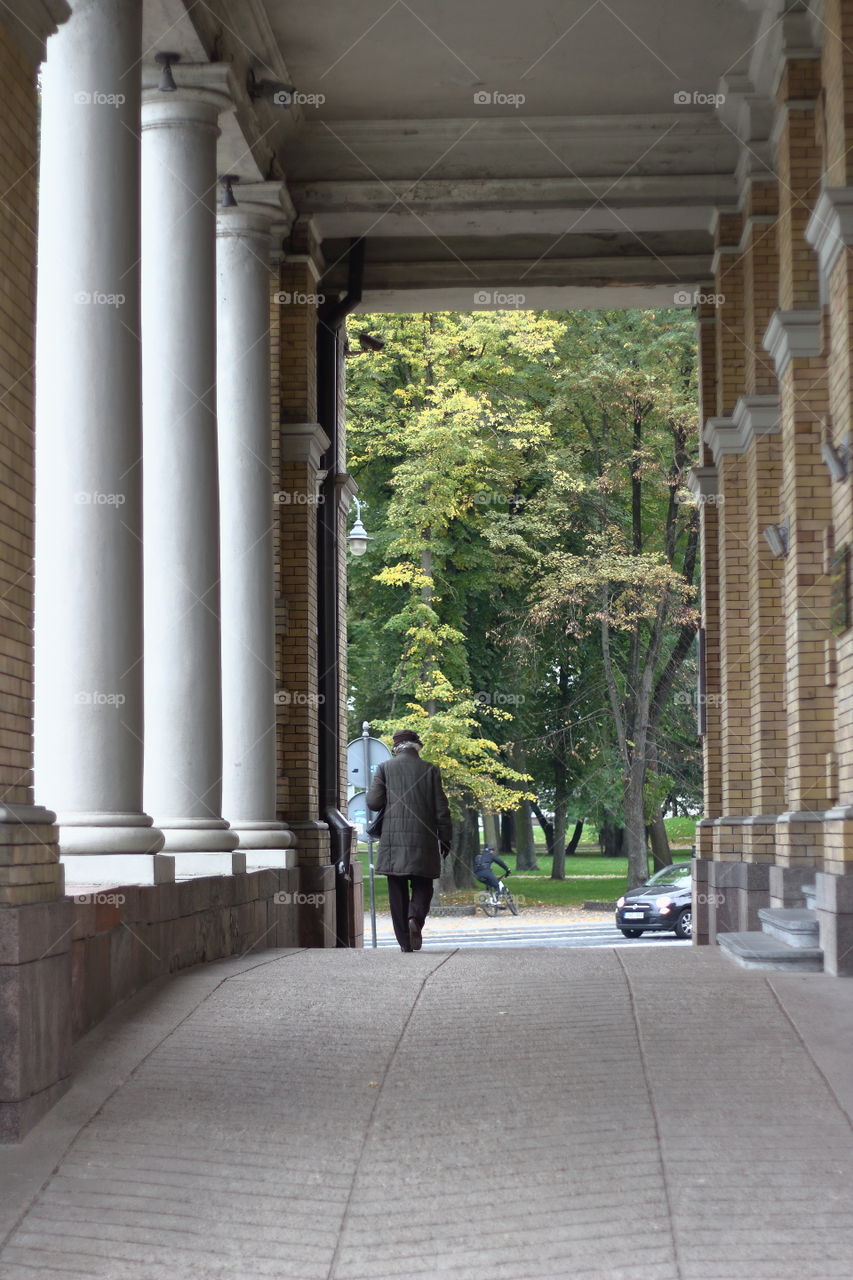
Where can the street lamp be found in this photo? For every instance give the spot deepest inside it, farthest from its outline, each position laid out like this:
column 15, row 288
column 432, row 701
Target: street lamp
column 359, row 537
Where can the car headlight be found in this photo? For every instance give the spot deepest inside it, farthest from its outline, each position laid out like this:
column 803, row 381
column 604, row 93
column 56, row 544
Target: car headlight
column 663, row 903
column 620, row 902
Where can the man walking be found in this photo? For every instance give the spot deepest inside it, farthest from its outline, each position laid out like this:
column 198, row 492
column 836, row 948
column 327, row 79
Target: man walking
column 416, row 833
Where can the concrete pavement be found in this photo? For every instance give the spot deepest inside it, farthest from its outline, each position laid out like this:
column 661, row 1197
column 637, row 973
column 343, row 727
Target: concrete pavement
column 471, row 1114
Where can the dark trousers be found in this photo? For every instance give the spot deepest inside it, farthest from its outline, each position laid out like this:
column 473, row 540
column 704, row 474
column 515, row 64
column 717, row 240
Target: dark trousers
column 405, row 904
column 489, row 878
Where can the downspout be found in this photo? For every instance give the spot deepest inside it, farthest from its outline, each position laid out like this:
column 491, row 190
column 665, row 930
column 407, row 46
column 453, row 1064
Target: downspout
column 330, row 320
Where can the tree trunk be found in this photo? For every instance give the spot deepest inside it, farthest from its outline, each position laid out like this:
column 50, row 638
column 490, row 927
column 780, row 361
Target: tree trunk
column 490, row 829
column 547, row 827
column 635, row 825
column 575, row 840
column 507, row 844
column 457, row 869
column 561, row 801
column 525, row 850
column 611, row 839
column 661, row 852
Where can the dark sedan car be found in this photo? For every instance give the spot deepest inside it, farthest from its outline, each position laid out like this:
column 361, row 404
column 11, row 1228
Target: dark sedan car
column 662, row 903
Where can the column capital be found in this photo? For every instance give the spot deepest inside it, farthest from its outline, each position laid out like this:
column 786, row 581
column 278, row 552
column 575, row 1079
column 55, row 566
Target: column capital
column 346, row 488
column 703, row 482
column 302, row 442
column 263, row 209
column 723, row 438
column 830, row 229
column 756, row 416
column 271, row 199
column 205, row 90
column 30, row 22
column 793, row 335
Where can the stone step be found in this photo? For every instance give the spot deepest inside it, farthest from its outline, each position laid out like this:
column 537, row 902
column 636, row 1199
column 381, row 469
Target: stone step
column 761, row 951
column 810, row 895
column 797, row 926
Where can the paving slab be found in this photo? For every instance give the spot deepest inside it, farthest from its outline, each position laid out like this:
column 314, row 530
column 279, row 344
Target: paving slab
column 610, row 1114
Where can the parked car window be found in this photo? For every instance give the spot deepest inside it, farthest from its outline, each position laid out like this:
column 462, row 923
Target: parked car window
column 672, row 875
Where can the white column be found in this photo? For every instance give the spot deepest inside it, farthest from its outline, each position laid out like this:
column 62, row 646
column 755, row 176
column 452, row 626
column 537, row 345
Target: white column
column 246, row 487
column 89, row 705
column 183, row 704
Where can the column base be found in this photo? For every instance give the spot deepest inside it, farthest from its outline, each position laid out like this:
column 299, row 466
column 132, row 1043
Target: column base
column 117, row 868
column 104, row 833
column 265, row 859
column 263, row 835
column 198, row 835
column 188, row 865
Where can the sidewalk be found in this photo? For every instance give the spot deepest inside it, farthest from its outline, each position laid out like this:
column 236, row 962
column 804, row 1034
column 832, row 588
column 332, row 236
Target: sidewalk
column 598, row 1115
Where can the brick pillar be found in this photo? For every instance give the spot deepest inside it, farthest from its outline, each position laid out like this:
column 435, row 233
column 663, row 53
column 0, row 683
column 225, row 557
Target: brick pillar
column 830, row 231
column 35, row 918
column 301, row 443
column 758, row 412
column 795, row 339
column 721, row 436
column 703, row 482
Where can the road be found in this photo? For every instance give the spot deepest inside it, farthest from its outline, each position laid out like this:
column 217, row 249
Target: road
column 476, row 931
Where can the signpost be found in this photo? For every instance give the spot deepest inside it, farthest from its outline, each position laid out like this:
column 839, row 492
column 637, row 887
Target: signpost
column 364, row 756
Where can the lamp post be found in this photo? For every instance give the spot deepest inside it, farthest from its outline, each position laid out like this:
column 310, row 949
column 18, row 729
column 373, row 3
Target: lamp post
column 359, row 537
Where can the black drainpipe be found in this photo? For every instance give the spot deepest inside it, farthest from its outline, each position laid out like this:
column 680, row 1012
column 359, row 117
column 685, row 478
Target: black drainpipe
column 330, row 319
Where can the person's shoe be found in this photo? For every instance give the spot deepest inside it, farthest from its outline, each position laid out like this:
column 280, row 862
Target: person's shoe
column 406, row 950
column 415, row 935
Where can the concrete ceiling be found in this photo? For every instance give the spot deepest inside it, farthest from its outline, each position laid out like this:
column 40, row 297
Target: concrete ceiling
column 565, row 152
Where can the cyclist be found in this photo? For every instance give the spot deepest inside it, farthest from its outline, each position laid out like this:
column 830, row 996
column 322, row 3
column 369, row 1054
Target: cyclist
column 483, row 867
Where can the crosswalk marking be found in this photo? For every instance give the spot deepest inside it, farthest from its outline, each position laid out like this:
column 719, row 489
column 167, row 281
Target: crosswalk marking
column 516, row 935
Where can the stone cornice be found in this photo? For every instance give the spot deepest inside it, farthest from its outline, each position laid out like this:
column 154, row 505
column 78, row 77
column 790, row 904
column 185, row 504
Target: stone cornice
column 792, row 335
column 756, row 416
column 30, row 22
column 752, row 416
column 830, row 228
column 723, row 438
column 302, row 442
column 346, row 488
column 703, row 482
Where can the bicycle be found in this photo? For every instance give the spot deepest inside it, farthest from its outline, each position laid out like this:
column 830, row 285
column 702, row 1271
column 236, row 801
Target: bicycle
column 494, row 901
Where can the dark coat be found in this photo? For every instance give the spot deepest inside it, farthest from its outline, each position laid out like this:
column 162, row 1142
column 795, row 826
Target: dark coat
column 417, row 818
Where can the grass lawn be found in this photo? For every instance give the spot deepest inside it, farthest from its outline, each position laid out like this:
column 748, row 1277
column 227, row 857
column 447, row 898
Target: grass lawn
column 588, row 876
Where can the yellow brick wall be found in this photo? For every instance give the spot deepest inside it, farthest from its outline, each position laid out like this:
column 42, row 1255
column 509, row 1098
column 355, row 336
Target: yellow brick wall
column 29, row 868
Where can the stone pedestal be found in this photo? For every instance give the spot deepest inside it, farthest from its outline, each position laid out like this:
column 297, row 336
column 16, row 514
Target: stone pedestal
column 35, row 1012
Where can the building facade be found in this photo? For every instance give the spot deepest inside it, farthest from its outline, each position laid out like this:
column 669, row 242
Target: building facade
column 207, row 191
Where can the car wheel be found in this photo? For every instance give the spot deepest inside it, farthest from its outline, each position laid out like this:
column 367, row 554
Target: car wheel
column 632, row 933
column 684, row 923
